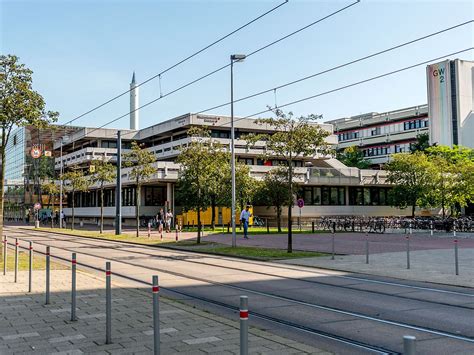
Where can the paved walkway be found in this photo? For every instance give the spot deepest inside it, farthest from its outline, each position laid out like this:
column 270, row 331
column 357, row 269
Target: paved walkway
column 27, row 325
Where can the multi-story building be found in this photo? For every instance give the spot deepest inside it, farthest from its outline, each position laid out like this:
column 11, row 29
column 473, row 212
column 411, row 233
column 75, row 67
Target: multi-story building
column 378, row 135
column 448, row 117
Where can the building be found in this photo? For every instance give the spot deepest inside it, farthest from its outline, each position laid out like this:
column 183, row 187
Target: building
column 448, row 117
column 327, row 186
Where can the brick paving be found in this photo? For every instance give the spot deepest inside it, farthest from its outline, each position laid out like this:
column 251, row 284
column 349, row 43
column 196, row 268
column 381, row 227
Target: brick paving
column 27, row 325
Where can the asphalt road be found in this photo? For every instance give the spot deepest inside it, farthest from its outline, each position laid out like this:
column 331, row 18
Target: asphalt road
column 328, row 309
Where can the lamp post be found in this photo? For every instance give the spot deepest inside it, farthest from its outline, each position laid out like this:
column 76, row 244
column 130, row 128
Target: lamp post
column 233, row 58
column 62, row 139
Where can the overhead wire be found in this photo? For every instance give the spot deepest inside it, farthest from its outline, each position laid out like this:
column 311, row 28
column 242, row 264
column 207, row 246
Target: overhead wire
column 178, row 63
column 338, row 66
column 227, row 65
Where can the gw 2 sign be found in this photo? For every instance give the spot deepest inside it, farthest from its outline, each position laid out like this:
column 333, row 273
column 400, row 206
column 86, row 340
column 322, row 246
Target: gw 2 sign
column 35, row 152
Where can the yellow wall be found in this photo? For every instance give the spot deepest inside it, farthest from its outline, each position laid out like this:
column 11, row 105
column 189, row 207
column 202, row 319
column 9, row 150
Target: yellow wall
column 222, row 216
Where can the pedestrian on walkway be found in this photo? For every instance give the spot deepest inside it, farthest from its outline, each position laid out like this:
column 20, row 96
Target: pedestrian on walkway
column 169, row 219
column 244, row 219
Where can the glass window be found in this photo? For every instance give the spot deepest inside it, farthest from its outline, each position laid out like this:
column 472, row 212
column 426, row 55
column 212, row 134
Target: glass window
column 325, row 196
column 308, row 195
column 154, row 196
column 317, row 195
column 333, row 196
column 342, row 196
column 366, row 196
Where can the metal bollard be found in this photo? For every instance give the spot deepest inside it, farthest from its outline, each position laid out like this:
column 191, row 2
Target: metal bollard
column 312, row 226
column 244, row 326
column 5, row 250
column 30, row 266
column 410, row 228
column 456, row 256
column 366, row 248
column 454, row 229
column 408, row 251
column 409, row 345
column 268, row 225
column 73, row 287
column 176, row 234
column 149, row 230
column 48, row 267
column 431, row 228
column 228, row 227
column 156, row 315
column 108, row 304
column 333, row 246
column 16, row 259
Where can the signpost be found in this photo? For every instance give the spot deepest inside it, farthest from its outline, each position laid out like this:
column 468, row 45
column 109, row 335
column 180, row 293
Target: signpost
column 300, row 203
column 37, row 207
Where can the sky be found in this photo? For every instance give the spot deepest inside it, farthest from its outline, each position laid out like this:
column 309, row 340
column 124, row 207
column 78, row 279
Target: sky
column 83, row 52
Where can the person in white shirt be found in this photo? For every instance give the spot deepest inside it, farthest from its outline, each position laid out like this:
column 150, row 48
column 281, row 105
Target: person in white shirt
column 244, row 219
column 169, row 219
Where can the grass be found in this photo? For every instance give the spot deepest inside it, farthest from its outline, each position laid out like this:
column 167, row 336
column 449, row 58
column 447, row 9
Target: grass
column 39, row 262
column 246, row 252
column 254, row 230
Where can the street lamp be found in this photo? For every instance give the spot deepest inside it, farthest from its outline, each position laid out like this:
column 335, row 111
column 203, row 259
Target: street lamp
column 233, row 58
column 61, row 139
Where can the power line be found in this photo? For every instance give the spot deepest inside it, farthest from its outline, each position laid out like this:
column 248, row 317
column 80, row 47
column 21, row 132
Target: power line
column 338, row 66
column 180, row 62
column 358, row 83
column 225, row 66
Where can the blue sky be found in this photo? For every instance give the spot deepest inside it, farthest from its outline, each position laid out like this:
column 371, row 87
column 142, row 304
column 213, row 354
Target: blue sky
column 83, row 52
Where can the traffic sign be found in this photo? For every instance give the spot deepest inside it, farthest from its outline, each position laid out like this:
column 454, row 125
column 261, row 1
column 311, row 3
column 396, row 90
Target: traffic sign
column 300, row 203
column 35, row 152
column 37, row 206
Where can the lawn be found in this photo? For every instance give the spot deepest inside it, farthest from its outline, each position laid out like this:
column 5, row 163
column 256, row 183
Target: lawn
column 39, row 262
column 244, row 252
column 255, row 230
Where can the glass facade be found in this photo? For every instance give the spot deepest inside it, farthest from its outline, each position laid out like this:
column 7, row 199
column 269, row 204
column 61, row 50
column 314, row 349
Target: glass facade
column 15, row 155
column 324, row 195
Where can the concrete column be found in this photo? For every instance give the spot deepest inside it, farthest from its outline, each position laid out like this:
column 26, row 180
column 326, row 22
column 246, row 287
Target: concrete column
column 347, row 195
column 169, row 196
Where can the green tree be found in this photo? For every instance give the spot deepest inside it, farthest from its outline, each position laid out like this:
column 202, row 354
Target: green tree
column 52, row 189
column 141, row 164
column 20, row 105
column 412, row 177
column 104, row 172
column 273, row 192
column 75, row 181
column 245, row 186
column 294, row 138
column 422, row 143
column 353, row 157
column 195, row 186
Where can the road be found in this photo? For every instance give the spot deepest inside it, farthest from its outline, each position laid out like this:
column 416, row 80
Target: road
column 339, row 312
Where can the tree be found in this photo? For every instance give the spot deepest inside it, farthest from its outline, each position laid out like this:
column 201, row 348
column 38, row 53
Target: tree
column 104, row 172
column 141, row 163
column 422, row 143
column 294, row 138
column 75, row 181
column 50, row 188
column 412, row 176
column 273, row 191
column 195, row 186
column 353, row 157
column 452, row 178
column 20, row 105
column 245, row 185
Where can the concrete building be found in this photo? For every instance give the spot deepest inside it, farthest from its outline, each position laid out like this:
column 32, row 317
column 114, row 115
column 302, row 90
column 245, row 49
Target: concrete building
column 447, row 118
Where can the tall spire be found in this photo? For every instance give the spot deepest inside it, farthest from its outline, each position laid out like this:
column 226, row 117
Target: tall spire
column 133, row 77
column 134, row 104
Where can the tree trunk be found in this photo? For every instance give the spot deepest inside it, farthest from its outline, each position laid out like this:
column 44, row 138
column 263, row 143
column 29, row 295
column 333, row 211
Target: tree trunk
column 102, row 208
column 278, row 211
column 199, row 225
column 52, row 211
column 290, row 207
column 213, row 212
column 72, row 225
column 137, row 208
column 413, row 210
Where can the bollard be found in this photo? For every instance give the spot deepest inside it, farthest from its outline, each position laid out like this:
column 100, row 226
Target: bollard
column 410, row 227
column 456, row 256
column 5, row 249
column 333, row 246
column 244, row 326
column 73, row 287
column 268, row 225
column 408, row 251
column 228, row 227
column 16, row 259
column 156, row 315
column 48, row 266
column 431, row 228
column 334, row 227
column 312, row 226
column 176, row 234
column 108, row 304
column 366, row 248
column 30, row 267
column 409, row 345
column 149, row 230
column 454, row 229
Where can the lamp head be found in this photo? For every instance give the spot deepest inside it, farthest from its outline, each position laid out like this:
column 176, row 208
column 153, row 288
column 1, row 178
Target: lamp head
column 237, row 57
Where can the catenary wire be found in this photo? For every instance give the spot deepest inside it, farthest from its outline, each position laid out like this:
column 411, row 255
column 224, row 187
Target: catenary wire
column 227, row 65
column 338, row 66
column 180, row 62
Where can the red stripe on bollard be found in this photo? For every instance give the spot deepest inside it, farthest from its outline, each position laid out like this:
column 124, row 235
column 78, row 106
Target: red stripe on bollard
column 108, row 273
column 244, row 314
column 155, row 289
column 31, row 248
column 16, row 243
column 74, row 261
column 455, row 240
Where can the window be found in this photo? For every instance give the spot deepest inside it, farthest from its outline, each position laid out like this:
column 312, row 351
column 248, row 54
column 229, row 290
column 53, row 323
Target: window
column 348, row 136
column 128, row 196
column 154, row 196
column 369, row 196
column 108, row 144
column 324, row 195
column 14, row 140
column 246, row 161
column 375, row 131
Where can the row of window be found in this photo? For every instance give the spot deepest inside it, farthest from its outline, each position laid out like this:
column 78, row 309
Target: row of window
column 348, row 136
column 369, row 196
column 276, row 162
column 92, row 198
column 336, row 196
column 376, row 151
column 415, row 124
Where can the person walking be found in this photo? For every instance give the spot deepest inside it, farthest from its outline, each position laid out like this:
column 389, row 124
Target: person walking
column 244, row 219
column 169, row 219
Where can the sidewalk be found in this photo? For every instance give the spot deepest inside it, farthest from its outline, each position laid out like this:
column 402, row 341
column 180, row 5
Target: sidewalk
column 27, row 325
